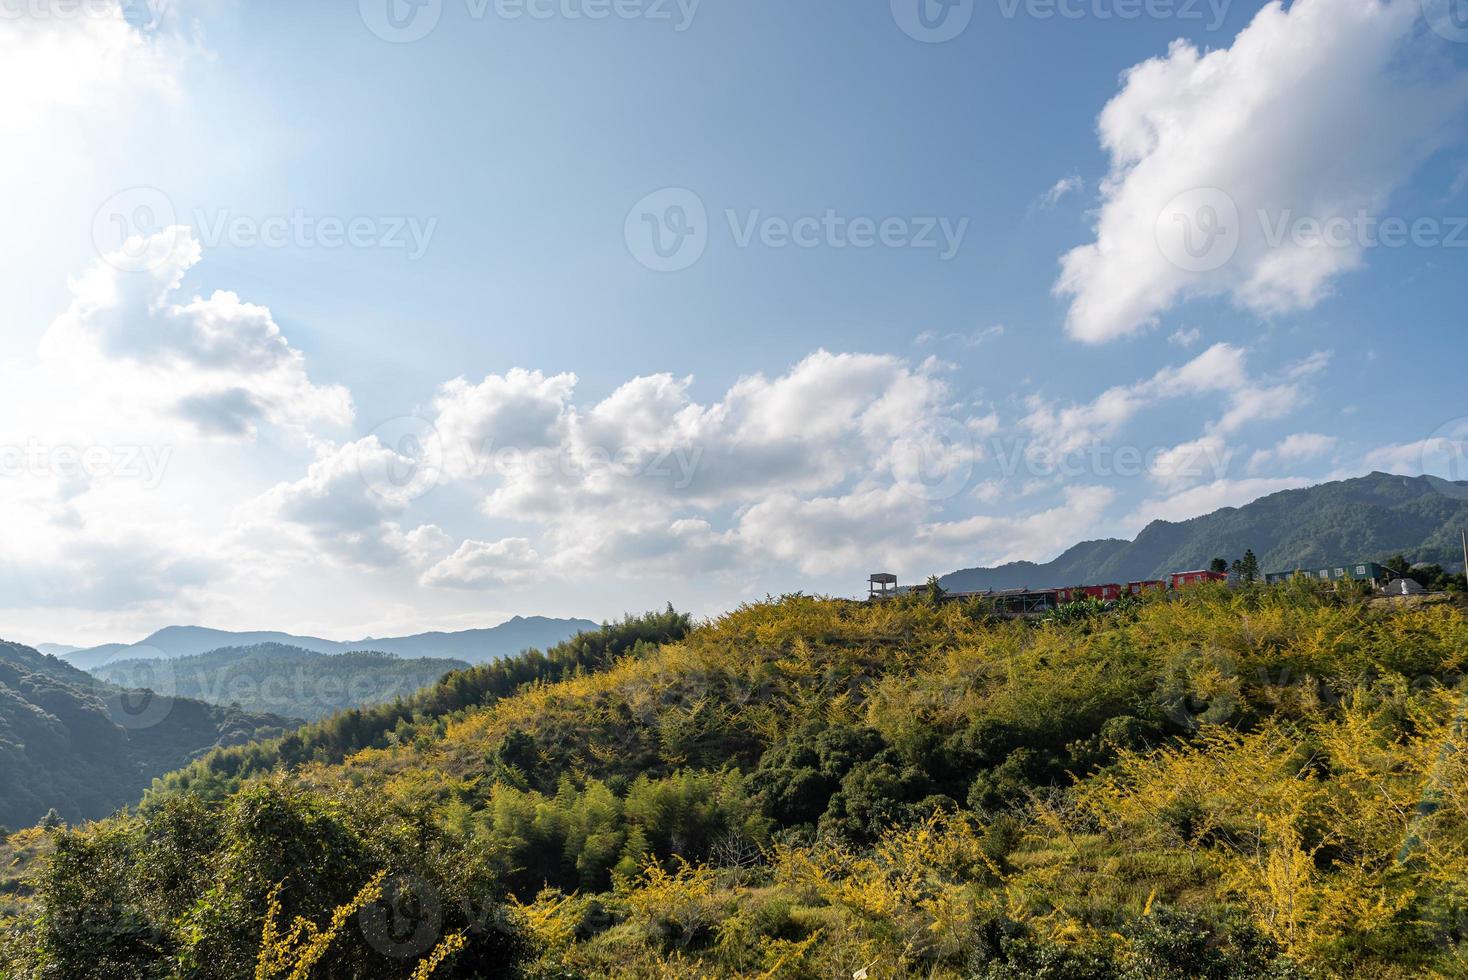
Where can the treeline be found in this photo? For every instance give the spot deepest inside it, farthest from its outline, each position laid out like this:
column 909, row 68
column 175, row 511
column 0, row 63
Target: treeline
column 332, row 739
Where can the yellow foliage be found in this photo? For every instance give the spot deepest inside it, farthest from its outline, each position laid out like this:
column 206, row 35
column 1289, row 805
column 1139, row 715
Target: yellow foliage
column 295, row 954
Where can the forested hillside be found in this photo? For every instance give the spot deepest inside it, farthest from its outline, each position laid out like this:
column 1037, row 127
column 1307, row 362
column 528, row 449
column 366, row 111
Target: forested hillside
column 1370, row 518
column 1264, row 783
column 82, row 747
column 286, row 680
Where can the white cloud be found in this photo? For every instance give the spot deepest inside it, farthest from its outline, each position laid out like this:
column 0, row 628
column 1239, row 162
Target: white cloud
column 1318, row 111
column 845, row 534
column 218, row 363
column 1444, row 453
column 1058, row 191
column 650, row 480
column 516, row 412
column 974, row 338
column 76, row 57
column 1296, row 448
column 1185, row 338
column 1191, row 462
column 340, row 509
column 649, row 444
column 480, row 563
column 1219, row 369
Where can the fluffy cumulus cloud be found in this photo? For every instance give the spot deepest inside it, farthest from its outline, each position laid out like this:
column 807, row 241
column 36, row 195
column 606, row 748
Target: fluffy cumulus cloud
column 70, row 56
column 345, row 508
column 649, row 443
column 1318, row 112
column 651, row 480
column 218, row 363
column 480, row 563
column 119, row 478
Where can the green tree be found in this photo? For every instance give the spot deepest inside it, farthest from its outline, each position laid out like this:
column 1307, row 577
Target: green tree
column 1218, row 565
column 1246, row 568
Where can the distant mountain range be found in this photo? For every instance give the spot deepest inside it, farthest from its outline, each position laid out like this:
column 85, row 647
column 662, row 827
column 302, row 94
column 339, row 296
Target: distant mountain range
column 284, row 680
column 473, row 646
column 86, row 747
column 1369, row 518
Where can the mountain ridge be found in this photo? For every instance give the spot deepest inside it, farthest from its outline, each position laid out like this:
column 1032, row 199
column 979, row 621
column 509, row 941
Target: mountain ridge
column 284, row 680
column 473, row 645
column 1364, row 518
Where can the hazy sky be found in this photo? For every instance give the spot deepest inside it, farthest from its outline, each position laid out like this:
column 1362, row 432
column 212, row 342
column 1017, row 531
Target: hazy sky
column 406, row 314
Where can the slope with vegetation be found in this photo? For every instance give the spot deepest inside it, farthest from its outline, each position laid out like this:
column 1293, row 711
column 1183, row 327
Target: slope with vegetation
column 1262, row 783
column 1365, row 519
column 82, row 747
column 286, row 680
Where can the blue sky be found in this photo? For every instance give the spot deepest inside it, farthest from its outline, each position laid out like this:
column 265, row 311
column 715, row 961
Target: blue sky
column 602, row 436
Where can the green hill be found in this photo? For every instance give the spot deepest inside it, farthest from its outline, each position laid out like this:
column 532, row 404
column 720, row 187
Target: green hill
column 84, row 747
column 285, row 680
column 1367, row 519
column 1225, row 784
